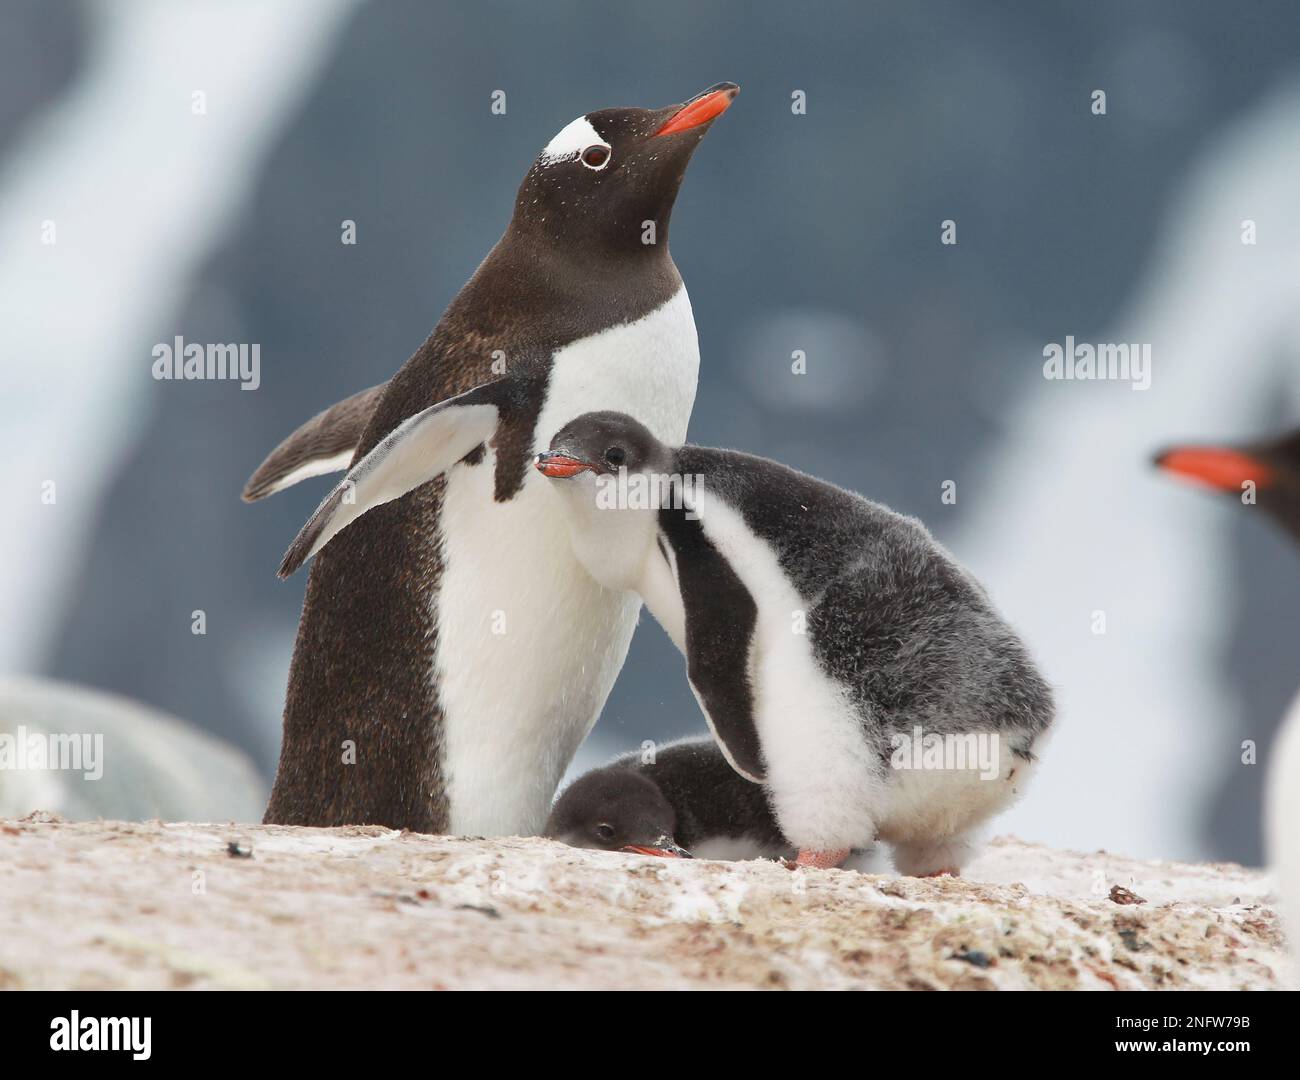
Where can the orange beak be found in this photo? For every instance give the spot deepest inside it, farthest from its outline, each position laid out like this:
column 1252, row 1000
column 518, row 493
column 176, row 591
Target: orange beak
column 667, row 850
column 1215, row 467
column 558, row 466
column 702, row 108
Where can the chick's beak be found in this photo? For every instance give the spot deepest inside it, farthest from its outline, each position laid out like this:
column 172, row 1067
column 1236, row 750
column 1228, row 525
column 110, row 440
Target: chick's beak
column 558, row 465
column 665, row 848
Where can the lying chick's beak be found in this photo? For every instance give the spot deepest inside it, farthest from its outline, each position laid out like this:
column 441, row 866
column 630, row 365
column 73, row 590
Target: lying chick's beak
column 558, row 465
column 665, row 847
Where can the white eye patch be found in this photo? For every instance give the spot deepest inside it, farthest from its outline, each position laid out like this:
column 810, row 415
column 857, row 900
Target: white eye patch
column 571, row 141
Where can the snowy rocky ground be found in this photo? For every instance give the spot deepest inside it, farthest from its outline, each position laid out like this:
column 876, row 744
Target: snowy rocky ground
column 112, row 904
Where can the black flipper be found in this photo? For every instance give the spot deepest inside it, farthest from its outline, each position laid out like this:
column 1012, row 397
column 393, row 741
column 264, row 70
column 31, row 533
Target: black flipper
column 324, row 444
column 720, row 619
column 418, row 450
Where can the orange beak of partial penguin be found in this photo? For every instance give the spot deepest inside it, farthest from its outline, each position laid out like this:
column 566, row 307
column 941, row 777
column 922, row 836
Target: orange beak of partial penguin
column 559, row 466
column 1220, row 468
column 703, row 107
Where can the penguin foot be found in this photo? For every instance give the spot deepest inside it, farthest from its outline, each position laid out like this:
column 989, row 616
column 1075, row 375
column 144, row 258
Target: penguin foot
column 947, row 871
column 821, row 860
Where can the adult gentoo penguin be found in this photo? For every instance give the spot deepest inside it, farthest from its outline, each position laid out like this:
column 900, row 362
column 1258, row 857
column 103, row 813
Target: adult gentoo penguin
column 449, row 642
column 1272, row 466
column 1282, row 821
column 685, row 801
column 840, row 655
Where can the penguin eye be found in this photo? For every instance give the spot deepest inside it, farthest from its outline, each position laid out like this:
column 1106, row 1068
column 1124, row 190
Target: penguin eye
column 615, row 455
column 605, row 832
column 595, row 157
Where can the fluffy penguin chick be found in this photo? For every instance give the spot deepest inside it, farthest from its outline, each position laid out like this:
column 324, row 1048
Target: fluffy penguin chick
column 688, row 801
column 839, row 654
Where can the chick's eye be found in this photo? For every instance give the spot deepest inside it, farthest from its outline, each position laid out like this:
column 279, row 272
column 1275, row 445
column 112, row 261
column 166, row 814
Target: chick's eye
column 605, row 832
column 615, row 455
column 596, row 157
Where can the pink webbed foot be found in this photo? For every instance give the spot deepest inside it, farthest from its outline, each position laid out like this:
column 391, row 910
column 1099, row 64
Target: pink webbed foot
column 946, row 871
column 821, row 860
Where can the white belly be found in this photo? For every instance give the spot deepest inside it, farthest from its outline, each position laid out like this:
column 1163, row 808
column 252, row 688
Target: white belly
column 528, row 644
column 820, row 772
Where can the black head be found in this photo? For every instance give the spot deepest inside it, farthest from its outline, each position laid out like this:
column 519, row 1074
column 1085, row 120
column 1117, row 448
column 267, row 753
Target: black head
column 1271, row 466
column 608, row 173
column 603, row 443
column 615, row 809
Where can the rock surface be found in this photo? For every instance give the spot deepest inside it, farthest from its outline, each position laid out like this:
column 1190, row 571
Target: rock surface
column 150, row 764
column 113, row 904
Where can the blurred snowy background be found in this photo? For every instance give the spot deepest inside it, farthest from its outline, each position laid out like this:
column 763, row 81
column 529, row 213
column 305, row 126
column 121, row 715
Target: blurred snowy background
column 817, row 232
